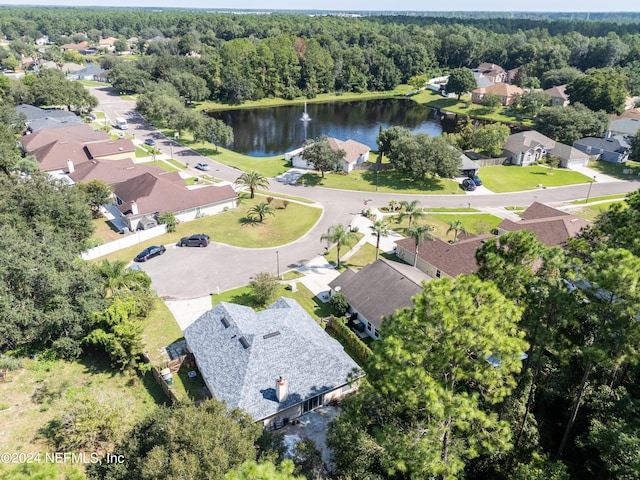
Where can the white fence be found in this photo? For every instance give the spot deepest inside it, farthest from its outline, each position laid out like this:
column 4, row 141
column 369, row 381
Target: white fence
column 124, row 242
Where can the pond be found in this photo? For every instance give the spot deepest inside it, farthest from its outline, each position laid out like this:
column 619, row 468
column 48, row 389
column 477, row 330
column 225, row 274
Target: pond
column 262, row 132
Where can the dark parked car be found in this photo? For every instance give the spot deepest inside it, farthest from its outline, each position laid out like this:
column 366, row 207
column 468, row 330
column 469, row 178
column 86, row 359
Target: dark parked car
column 197, row 240
column 468, row 185
column 475, row 179
column 150, row 141
column 150, row 252
column 202, row 166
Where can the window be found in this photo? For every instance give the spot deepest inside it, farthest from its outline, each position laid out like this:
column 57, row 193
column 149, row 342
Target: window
column 368, row 326
column 376, row 334
column 438, row 273
column 312, row 403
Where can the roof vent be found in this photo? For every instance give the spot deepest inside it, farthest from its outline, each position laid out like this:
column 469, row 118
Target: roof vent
column 270, row 335
column 225, row 322
column 244, row 343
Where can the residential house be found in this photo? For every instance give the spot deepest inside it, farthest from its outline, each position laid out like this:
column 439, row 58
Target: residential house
column 438, row 258
column 468, row 166
column 481, row 80
column 74, row 46
column 614, row 149
column 559, row 96
column 107, row 44
column 111, row 150
column 355, row 154
column 112, row 172
column 57, row 148
column 90, row 72
column 506, row 92
column 276, row 364
column 525, row 148
column 37, row 119
column 149, row 194
column 378, row 290
column 494, row 73
column 631, row 113
column 626, row 126
column 551, row 226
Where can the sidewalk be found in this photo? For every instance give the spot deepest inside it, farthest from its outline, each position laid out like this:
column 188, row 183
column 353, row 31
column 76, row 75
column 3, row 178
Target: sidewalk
column 597, row 176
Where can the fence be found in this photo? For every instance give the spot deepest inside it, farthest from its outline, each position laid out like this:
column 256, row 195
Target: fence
column 173, row 366
column 489, row 162
column 126, row 241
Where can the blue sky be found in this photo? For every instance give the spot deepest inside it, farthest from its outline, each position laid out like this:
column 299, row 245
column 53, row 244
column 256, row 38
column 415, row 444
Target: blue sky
column 368, row 5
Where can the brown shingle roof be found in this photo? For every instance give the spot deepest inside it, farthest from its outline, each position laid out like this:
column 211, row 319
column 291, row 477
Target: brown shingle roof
column 353, row 150
column 500, row 89
column 112, row 171
column 450, row 258
column 103, row 149
column 380, row 288
column 77, row 133
column 550, row 226
column 56, row 155
column 559, row 91
column 154, row 194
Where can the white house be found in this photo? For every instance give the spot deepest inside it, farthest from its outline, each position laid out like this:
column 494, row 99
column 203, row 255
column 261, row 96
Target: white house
column 355, row 154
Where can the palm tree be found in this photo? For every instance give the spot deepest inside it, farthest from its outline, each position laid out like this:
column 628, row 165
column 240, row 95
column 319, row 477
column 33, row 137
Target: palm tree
column 252, row 180
column 410, row 210
column 455, row 227
column 338, row 235
column 116, row 276
column 392, row 205
column 419, row 233
column 380, row 228
column 261, row 210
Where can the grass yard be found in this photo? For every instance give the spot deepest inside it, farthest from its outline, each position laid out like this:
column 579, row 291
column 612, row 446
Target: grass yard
column 612, row 198
column 363, row 257
column 389, row 181
column 475, row 223
column 234, row 228
column 331, row 255
column 103, row 231
column 160, row 330
column 312, row 304
column 591, row 212
column 513, row 178
column 617, row 170
column 143, row 152
column 41, row 390
column 465, row 107
column 266, row 193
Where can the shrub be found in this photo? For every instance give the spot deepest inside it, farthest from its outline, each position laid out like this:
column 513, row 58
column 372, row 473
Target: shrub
column 168, row 219
column 10, row 363
column 339, row 303
column 360, row 349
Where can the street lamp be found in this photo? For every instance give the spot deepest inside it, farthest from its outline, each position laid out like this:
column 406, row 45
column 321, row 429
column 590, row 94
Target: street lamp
column 278, row 264
column 589, row 192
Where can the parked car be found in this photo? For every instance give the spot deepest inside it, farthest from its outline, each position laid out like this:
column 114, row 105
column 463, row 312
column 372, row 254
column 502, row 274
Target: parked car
column 468, row 185
column 475, row 179
column 197, row 240
column 150, row 252
column 202, row 166
column 150, row 141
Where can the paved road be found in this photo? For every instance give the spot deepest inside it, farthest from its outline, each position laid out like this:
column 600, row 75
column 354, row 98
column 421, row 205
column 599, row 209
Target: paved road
column 192, row 272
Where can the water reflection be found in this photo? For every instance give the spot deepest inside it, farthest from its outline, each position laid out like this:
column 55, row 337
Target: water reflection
column 261, row 132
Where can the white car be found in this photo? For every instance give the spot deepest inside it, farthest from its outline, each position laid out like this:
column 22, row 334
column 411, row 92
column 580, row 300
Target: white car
column 202, row 166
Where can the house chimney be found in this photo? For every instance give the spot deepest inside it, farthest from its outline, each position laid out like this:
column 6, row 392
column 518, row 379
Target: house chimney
column 134, row 208
column 282, row 389
column 70, row 166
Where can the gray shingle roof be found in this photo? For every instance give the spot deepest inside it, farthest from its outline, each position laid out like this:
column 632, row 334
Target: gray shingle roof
column 310, row 360
column 380, row 288
column 615, row 144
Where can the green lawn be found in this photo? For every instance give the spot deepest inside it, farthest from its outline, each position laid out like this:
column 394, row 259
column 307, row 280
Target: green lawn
column 465, row 107
column 312, row 304
column 475, row 223
column 331, row 255
column 160, row 330
column 389, row 181
column 616, row 170
column 363, row 257
column 233, row 228
column 103, row 231
column 591, row 212
column 614, row 198
column 142, row 152
column 164, row 165
column 513, row 178
column 267, row 193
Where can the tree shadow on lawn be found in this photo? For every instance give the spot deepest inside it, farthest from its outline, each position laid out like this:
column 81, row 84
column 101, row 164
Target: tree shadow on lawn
column 400, row 181
column 311, row 179
column 252, row 222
